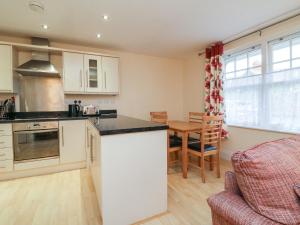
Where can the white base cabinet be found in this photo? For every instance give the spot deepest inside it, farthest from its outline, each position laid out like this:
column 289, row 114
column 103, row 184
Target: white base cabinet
column 72, row 141
column 6, row 148
column 129, row 172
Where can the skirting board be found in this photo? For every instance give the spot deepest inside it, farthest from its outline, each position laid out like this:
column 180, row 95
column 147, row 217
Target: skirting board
column 42, row 171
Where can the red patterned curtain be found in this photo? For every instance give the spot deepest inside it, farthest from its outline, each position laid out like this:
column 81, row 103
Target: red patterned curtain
column 214, row 101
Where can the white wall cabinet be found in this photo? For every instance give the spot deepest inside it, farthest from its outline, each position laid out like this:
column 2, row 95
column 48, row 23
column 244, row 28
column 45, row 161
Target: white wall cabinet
column 6, row 69
column 73, row 73
column 90, row 74
column 93, row 73
column 110, row 68
column 72, row 141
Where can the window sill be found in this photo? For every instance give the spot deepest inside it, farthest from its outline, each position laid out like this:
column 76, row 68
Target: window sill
column 262, row 129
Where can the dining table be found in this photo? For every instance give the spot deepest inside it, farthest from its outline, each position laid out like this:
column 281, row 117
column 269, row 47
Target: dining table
column 184, row 128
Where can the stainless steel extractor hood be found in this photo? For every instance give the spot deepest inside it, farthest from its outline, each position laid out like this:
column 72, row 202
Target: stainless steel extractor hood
column 40, row 64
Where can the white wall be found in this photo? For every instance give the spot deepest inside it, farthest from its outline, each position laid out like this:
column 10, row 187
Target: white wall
column 147, row 83
column 240, row 138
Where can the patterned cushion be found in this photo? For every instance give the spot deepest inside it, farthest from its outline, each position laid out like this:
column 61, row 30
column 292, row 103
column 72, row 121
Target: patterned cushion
column 197, row 147
column 266, row 175
column 297, row 189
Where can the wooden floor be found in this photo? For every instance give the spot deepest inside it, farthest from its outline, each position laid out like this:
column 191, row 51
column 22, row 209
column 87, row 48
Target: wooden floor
column 68, row 198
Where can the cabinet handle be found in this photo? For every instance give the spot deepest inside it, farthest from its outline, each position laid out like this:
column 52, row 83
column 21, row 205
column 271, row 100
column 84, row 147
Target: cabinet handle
column 80, row 78
column 87, row 79
column 2, row 167
column 105, row 79
column 92, row 156
column 3, row 154
column 2, row 142
column 88, row 139
column 62, row 136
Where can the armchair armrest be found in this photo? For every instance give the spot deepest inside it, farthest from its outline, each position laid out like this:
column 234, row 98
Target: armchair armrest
column 232, row 208
column 231, row 184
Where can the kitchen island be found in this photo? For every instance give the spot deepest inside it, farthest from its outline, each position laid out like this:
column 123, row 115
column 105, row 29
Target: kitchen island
column 128, row 161
column 127, row 158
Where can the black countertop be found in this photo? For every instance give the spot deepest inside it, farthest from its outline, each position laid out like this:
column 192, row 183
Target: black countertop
column 123, row 124
column 107, row 124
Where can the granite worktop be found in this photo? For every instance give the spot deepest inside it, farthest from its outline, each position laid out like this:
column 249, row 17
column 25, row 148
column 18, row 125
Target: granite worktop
column 107, row 124
column 123, row 124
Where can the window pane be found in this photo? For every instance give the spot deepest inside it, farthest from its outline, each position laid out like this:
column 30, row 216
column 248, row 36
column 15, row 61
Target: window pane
column 241, row 62
column 296, row 63
column 281, row 66
column 229, row 75
column 255, row 58
column 229, row 67
column 241, row 73
column 296, row 48
column 254, row 71
column 281, row 51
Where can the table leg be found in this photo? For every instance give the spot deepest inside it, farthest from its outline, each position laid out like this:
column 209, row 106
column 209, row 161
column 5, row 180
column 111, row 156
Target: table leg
column 185, row 158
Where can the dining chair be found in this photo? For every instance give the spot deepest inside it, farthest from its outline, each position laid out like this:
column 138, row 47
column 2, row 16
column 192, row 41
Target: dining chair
column 159, row 117
column 174, row 142
column 210, row 143
column 195, row 117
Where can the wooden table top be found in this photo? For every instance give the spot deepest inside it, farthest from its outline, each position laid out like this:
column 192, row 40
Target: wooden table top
column 184, row 126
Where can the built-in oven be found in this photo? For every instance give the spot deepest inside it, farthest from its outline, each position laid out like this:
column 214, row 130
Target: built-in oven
column 35, row 140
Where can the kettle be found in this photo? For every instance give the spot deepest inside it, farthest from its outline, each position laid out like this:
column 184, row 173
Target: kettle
column 74, row 109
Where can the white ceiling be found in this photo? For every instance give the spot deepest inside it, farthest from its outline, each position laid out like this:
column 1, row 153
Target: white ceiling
column 155, row 27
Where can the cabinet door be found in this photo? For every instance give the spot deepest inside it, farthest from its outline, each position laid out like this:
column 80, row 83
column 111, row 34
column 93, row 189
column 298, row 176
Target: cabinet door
column 72, row 141
column 110, row 70
column 73, row 72
column 93, row 73
column 6, row 72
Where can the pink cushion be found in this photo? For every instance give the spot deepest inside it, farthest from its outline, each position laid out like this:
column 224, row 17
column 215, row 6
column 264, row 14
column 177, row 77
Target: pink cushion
column 266, row 175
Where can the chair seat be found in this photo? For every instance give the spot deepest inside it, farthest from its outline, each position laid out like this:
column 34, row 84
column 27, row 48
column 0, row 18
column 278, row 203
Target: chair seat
column 197, row 147
column 175, row 141
column 192, row 140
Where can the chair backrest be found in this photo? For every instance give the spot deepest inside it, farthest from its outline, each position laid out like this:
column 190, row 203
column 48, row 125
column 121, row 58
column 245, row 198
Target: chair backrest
column 159, row 117
column 211, row 131
column 196, row 117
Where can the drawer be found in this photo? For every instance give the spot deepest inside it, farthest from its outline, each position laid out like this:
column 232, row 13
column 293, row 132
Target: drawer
column 6, row 153
column 5, row 142
column 5, row 129
column 6, row 166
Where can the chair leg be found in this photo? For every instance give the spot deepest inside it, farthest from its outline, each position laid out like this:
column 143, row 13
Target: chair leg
column 202, row 169
column 211, row 162
column 218, row 165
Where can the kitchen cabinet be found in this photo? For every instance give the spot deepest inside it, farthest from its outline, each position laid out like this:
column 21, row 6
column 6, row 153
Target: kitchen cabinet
column 73, row 78
column 6, row 69
column 93, row 73
column 110, row 69
column 72, row 141
column 90, row 74
column 6, row 150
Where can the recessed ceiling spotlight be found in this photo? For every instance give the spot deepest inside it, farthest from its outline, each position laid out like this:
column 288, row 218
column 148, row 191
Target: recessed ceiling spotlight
column 45, row 26
column 105, row 17
column 36, row 6
column 98, row 35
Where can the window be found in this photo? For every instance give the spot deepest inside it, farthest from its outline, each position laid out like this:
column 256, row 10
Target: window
column 242, row 86
column 285, row 53
column 267, row 100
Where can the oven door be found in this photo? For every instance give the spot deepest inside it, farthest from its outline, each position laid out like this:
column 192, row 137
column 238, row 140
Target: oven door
column 37, row 144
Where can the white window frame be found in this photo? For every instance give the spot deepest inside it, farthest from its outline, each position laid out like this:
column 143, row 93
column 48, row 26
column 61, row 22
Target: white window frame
column 269, row 55
column 239, row 53
column 266, row 65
